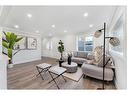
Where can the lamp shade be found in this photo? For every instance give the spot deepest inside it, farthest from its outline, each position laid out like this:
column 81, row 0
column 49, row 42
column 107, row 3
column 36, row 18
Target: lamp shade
column 114, row 41
column 97, row 33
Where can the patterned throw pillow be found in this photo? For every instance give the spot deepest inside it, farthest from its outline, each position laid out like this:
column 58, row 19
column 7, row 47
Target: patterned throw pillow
column 98, row 51
column 108, row 61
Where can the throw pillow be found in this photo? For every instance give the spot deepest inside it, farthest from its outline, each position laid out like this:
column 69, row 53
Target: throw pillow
column 110, row 63
column 98, row 53
column 90, row 61
column 107, row 59
column 75, row 54
column 90, row 56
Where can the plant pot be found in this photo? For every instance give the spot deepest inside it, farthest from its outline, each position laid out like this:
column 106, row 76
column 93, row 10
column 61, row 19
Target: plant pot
column 60, row 62
column 10, row 65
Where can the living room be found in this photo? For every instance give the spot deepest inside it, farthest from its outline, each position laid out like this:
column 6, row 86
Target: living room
column 71, row 27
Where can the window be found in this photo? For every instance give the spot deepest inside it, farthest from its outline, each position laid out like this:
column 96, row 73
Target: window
column 85, row 43
column 118, row 32
column 89, row 43
column 49, row 45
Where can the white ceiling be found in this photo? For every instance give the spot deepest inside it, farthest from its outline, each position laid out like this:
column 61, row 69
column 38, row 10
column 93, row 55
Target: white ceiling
column 68, row 18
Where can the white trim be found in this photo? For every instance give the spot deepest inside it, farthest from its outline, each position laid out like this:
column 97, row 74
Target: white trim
column 1, row 10
column 21, row 31
column 31, row 60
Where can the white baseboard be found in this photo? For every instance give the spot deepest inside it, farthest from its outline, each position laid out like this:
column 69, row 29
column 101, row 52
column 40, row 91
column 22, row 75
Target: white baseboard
column 21, row 62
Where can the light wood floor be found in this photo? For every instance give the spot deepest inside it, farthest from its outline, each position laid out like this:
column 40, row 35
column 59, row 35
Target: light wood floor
column 23, row 76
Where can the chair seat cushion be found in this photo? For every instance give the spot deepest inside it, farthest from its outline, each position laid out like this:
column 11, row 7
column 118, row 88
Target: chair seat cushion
column 44, row 65
column 57, row 70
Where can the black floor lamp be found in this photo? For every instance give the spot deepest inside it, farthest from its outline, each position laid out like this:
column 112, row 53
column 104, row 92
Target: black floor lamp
column 114, row 41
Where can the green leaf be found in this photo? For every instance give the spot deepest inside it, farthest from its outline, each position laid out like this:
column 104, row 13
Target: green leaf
column 12, row 40
column 10, row 53
column 5, row 44
column 13, row 37
column 18, row 39
column 61, row 47
column 7, row 35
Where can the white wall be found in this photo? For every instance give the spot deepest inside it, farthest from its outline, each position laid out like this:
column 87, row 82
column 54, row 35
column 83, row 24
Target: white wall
column 69, row 43
column 120, row 60
column 3, row 66
column 3, row 63
column 3, row 72
column 27, row 55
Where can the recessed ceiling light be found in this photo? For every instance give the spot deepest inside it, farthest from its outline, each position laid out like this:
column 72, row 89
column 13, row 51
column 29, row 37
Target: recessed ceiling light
column 91, row 25
column 85, row 14
column 37, row 31
column 53, row 26
column 50, row 34
column 65, row 31
column 29, row 15
column 16, row 26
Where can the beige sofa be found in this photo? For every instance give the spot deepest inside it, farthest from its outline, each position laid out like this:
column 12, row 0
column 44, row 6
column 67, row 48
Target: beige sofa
column 96, row 71
column 85, row 60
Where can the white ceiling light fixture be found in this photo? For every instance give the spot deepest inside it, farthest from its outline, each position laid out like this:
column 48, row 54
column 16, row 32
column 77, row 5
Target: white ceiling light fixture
column 85, row 14
column 16, row 26
column 37, row 31
column 29, row 15
column 65, row 31
column 50, row 34
column 91, row 25
column 53, row 26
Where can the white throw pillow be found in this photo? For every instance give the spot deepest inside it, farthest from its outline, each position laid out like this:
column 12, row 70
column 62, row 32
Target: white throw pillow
column 108, row 61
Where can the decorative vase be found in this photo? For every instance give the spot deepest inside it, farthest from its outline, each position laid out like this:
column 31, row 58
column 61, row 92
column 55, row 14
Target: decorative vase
column 60, row 63
column 10, row 65
column 69, row 60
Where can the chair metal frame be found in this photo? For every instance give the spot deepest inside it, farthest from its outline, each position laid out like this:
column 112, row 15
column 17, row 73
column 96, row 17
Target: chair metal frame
column 53, row 78
column 41, row 70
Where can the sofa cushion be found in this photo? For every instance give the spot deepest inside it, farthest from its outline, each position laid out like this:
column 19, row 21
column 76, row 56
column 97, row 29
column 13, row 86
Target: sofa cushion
column 90, row 56
column 110, row 63
column 90, row 62
column 82, row 54
column 75, row 54
column 79, row 60
column 97, row 72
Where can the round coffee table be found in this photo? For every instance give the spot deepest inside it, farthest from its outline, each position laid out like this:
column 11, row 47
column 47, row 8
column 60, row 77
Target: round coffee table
column 72, row 68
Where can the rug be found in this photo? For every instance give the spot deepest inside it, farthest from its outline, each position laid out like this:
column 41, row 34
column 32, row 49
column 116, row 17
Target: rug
column 74, row 76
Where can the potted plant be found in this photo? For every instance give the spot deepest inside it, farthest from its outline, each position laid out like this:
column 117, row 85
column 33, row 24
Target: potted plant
column 8, row 42
column 61, row 50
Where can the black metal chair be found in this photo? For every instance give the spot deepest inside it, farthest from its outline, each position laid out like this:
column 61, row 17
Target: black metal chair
column 59, row 71
column 44, row 67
